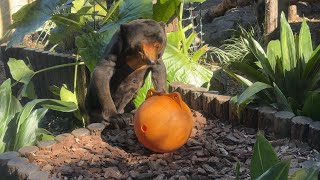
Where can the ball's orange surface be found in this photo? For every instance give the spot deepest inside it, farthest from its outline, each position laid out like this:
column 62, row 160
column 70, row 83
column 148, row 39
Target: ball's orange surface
column 163, row 123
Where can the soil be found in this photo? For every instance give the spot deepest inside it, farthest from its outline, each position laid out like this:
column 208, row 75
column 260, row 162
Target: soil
column 210, row 153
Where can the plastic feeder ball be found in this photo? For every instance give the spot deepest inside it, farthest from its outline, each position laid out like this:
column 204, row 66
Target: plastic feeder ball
column 163, row 123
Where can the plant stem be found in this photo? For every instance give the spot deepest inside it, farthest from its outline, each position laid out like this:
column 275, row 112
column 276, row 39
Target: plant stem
column 58, row 66
column 75, row 75
column 183, row 37
column 101, row 5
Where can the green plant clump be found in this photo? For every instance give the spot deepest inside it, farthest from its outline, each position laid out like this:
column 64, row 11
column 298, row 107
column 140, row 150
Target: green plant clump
column 286, row 76
column 265, row 164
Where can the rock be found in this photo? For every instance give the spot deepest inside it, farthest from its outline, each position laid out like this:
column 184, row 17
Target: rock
column 112, row 172
column 220, row 28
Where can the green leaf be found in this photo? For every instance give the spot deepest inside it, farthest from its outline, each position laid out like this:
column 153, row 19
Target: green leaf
column 305, row 174
column 281, row 99
column 179, row 68
column 28, row 91
column 259, row 53
column 200, row 52
column 263, row 157
column 312, row 70
column 20, row 71
column 26, row 134
column 274, row 53
column 67, row 96
column 91, row 47
column 311, row 105
column 238, row 171
column 30, row 17
column 249, row 71
column 239, row 78
column 174, row 38
column 252, row 90
column 190, row 40
column 277, row 172
column 163, row 11
column 43, row 134
column 287, row 45
column 305, row 42
column 9, row 106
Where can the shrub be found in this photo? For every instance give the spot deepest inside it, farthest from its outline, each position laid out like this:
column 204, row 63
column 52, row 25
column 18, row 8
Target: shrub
column 287, row 76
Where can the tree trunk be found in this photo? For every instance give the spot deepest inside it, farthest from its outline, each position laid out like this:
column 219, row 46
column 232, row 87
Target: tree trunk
column 271, row 19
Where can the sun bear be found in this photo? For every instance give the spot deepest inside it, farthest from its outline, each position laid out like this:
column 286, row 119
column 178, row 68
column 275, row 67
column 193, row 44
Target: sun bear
column 134, row 51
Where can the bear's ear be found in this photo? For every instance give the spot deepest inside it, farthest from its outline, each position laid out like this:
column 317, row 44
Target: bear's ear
column 163, row 25
column 123, row 28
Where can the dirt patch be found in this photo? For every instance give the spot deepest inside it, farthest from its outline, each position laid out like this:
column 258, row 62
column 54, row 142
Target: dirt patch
column 210, row 153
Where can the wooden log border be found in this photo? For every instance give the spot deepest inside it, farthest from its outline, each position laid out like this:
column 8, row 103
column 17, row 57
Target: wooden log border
column 282, row 123
column 40, row 59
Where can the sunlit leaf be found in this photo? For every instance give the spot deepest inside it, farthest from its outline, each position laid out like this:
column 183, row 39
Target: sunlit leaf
column 263, row 157
column 20, row 71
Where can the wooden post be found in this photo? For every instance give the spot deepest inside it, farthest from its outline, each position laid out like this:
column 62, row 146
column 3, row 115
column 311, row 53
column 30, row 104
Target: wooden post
column 271, row 19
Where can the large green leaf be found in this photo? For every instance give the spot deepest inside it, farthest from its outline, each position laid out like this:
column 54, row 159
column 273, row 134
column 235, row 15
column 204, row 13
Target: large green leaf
column 20, row 71
column 239, row 78
column 26, row 134
column 287, row 45
column 163, row 11
column 9, row 106
column 30, row 17
column 179, row 68
column 274, row 53
column 263, row 157
column 261, row 56
column 305, row 43
column 305, row 174
column 252, row 90
column 249, row 71
column 281, row 99
column 311, row 105
column 277, row 172
column 312, row 70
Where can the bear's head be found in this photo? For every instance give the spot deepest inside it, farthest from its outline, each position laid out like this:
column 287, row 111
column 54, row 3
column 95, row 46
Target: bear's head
column 145, row 38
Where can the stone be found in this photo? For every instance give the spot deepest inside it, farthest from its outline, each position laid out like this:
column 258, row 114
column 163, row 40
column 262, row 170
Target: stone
column 80, row 132
column 25, row 171
column 39, row 175
column 28, row 150
column 46, row 144
column 96, row 128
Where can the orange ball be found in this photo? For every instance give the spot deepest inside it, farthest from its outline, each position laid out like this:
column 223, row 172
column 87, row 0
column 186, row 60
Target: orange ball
column 163, row 123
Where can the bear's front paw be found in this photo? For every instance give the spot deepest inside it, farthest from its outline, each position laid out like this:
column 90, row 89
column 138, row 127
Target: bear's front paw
column 120, row 121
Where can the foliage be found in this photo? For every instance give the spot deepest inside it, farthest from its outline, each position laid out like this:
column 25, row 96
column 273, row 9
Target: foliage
column 287, row 76
column 266, row 165
column 233, row 49
column 30, row 17
column 19, row 125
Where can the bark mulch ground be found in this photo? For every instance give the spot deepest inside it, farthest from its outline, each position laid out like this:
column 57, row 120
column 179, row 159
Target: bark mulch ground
column 210, row 153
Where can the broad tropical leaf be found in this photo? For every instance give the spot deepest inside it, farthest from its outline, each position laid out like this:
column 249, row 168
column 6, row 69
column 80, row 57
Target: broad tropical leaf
column 281, row 99
column 277, row 172
column 30, row 17
column 252, row 90
column 20, row 71
column 312, row 69
column 26, row 134
column 9, row 106
column 163, row 11
column 305, row 42
column 249, row 71
column 311, row 105
column 263, row 157
column 274, row 53
column 287, row 45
